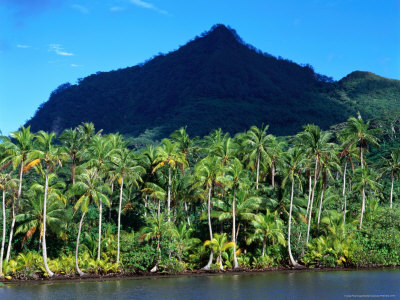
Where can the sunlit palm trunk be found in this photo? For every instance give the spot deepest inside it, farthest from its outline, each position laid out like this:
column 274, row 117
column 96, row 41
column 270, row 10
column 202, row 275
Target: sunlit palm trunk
column 4, row 232
column 264, row 246
column 312, row 200
column 309, row 193
column 169, row 194
column 44, row 248
column 207, row 267
column 77, row 247
column 258, row 169
column 391, row 191
column 362, row 206
column 110, row 209
column 320, row 204
column 292, row 261
column 236, row 265
column 119, row 217
column 145, row 206
column 100, row 219
column 187, row 213
column 14, row 213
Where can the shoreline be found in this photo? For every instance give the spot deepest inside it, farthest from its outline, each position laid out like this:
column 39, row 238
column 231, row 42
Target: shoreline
column 194, row 273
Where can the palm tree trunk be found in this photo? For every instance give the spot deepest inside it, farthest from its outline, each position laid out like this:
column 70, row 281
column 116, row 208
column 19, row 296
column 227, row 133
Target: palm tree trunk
column 320, row 204
column 273, row 174
column 264, row 246
column 362, row 206
column 119, row 217
column 391, row 191
column 344, row 193
column 44, row 248
column 15, row 210
column 309, row 193
column 100, row 219
column 258, row 169
column 235, row 262
column 207, row 267
column 77, row 247
column 237, row 230
column 145, row 206
column 110, row 209
column 312, row 199
column 159, row 208
column 292, row 261
column 220, row 262
column 169, row 194
column 4, row 232
column 187, row 214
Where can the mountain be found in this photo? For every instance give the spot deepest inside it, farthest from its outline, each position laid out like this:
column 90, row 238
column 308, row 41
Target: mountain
column 214, row 81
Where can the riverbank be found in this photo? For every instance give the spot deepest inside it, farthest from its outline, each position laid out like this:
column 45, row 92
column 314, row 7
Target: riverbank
column 58, row 278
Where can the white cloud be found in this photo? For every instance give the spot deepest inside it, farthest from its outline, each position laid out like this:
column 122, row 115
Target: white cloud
column 75, row 65
column 80, row 8
column 116, row 8
column 148, row 5
column 56, row 48
column 23, row 46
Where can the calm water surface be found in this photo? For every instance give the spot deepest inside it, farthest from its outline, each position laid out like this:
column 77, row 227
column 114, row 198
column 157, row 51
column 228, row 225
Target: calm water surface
column 382, row 284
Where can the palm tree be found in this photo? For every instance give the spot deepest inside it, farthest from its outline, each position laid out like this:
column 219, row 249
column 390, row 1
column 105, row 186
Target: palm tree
column 316, row 143
column 256, row 142
column 392, row 166
column 20, row 154
column 51, row 157
column 90, row 188
column 71, row 142
column 274, row 150
column 268, row 227
column 358, row 132
column 364, row 179
column 181, row 237
column 32, row 219
column 6, row 182
column 208, row 173
column 294, row 162
column 155, row 229
column 219, row 244
column 167, row 154
column 125, row 163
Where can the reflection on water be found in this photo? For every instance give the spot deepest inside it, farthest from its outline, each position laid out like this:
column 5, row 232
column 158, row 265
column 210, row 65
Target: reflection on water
column 294, row 285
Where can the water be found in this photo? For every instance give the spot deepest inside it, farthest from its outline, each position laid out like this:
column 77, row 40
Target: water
column 278, row 285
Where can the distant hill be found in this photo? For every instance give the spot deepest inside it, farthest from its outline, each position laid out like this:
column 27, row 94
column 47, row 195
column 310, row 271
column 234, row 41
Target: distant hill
column 214, row 81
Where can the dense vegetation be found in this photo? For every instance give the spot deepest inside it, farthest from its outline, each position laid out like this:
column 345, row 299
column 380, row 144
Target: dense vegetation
column 86, row 202
column 214, row 81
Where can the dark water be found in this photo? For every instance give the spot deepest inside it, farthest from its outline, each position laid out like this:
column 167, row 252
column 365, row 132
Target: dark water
column 380, row 284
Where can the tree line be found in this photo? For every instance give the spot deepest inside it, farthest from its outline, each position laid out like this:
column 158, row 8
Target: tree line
column 252, row 200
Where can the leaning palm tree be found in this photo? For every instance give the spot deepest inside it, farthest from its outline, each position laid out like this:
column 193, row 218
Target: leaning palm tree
column 125, row 164
column 89, row 187
column 167, row 154
column 294, row 163
column 6, row 182
column 20, row 153
column 256, row 143
column 51, row 156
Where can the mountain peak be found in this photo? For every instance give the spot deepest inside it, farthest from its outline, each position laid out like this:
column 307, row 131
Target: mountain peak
column 221, row 32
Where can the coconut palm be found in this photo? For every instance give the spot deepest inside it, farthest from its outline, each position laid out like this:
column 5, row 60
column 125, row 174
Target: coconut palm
column 294, row 166
column 90, row 187
column 219, row 244
column 209, row 173
column 256, row 143
column 167, row 154
column 267, row 227
column 392, row 166
column 315, row 142
column 20, row 153
column 6, row 183
column 72, row 144
column 125, row 164
column 363, row 179
column 182, row 238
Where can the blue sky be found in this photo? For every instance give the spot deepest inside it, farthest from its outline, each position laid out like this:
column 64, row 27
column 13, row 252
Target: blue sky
column 44, row 43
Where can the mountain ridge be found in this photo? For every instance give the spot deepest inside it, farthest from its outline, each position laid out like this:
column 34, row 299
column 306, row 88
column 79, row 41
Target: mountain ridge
column 214, row 81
